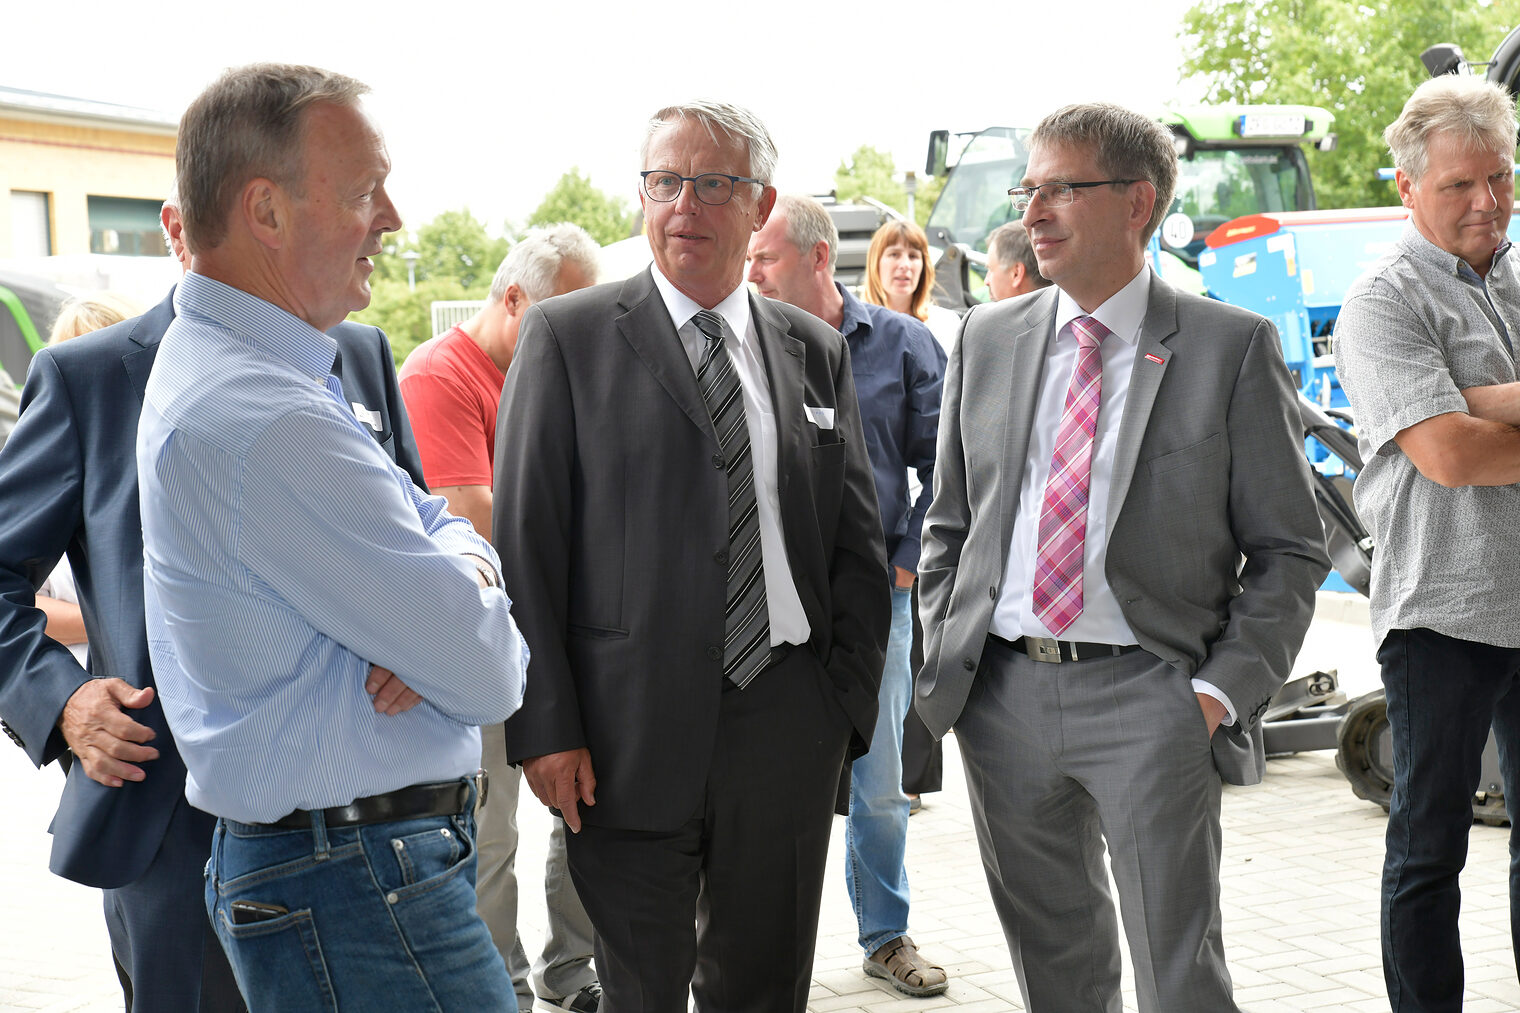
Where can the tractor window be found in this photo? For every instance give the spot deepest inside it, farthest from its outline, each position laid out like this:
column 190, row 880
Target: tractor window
column 1219, row 184
column 975, row 199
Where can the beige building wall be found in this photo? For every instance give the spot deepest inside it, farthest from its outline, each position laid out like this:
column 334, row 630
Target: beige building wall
column 71, row 162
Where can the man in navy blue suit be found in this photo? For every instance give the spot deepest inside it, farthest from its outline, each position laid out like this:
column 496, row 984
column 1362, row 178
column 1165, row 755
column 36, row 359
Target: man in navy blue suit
column 68, row 483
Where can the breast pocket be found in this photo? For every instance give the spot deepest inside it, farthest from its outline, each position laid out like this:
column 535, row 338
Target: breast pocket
column 1186, row 457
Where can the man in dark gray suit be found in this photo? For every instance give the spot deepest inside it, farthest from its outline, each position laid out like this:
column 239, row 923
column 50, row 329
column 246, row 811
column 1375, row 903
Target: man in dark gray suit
column 1109, row 451
column 683, row 494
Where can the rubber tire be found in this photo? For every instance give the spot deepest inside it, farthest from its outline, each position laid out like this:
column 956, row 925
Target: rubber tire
column 1358, row 752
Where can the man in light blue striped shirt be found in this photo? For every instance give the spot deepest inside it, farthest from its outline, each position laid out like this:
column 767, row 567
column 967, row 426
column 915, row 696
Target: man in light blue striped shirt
column 285, row 555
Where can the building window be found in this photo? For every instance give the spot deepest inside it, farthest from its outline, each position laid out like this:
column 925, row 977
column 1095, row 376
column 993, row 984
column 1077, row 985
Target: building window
column 125, row 226
column 31, row 224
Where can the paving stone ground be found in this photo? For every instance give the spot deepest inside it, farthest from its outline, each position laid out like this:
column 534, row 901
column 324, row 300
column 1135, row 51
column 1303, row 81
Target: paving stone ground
column 1302, row 857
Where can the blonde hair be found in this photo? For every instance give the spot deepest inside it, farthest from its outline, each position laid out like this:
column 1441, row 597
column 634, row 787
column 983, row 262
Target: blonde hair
column 84, row 314
column 900, row 233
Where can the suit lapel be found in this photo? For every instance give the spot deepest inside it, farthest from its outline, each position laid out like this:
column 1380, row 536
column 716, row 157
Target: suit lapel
column 785, row 357
column 147, row 333
column 1031, row 340
column 646, row 325
column 1160, row 324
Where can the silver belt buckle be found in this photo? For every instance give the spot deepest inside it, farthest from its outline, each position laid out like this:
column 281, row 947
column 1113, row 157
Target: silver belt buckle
column 1042, row 649
column 482, row 785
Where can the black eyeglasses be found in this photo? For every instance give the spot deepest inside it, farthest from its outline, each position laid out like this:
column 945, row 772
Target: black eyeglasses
column 715, row 188
column 1057, row 194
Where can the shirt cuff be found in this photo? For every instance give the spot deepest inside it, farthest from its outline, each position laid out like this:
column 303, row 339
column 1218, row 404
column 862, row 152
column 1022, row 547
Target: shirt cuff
column 1209, row 689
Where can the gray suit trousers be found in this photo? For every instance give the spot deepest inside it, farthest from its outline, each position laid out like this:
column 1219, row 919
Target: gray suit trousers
column 1060, row 758
column 564, row 967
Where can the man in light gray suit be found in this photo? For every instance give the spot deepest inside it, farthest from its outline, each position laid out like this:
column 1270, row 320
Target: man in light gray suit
column 1119, row 566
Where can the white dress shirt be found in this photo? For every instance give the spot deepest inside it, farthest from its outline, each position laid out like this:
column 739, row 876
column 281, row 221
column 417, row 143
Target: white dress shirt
column 789, row 623
column 1102, row 620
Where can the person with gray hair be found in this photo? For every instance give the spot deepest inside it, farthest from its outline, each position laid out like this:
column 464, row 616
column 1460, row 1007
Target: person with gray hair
column 452, row 386
column 1109, row 450
column 684, row 507
column 897, row 366
column 325, row 637
column 1011, row 266
column 1424, row 348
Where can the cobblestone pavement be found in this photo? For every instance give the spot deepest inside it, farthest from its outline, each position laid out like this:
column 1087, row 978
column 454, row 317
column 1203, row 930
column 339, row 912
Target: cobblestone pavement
column 1300, row 887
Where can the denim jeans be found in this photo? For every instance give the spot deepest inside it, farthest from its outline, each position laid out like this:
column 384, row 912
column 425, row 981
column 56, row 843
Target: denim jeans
column 381, row 917
column 876, row 831
column 1443, row 694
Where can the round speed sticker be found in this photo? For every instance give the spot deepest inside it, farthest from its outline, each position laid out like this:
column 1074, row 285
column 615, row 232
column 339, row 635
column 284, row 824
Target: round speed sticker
column 1177, row 230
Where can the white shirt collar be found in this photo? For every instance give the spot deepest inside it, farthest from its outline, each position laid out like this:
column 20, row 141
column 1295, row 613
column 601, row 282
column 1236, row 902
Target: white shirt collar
column 1123, row 313
column 734, row 308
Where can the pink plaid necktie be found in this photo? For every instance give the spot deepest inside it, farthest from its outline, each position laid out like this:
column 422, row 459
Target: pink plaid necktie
column 1063, row 518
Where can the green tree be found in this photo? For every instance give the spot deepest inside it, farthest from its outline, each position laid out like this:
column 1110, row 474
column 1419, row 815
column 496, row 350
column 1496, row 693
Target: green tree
column 456, row 259
column 573, row 199
column 1357, row 58
column 869, row 172
column 404, row 314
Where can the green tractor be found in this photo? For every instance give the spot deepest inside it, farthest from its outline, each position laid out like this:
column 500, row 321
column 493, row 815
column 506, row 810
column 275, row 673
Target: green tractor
column 1233, row 161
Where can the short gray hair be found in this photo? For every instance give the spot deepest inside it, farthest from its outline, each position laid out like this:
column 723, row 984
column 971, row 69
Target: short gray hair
column 1009, row 244
column 1475, row 111
column 734, row 123
column 247, row 124
column 808, row 224
column 1124, row 143
column 534, row 264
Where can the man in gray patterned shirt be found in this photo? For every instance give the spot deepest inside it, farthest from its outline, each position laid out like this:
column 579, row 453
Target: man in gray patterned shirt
column 1424, row 349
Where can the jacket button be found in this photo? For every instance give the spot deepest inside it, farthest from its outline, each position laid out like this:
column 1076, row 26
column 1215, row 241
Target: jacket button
column 715, row 653
column 992, row 593
column 718, row 461
column 968, row 664
column 721, row 557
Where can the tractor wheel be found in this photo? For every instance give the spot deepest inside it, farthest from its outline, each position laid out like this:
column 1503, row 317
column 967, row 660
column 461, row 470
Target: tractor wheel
column 1365, row 756
column 1365, row 749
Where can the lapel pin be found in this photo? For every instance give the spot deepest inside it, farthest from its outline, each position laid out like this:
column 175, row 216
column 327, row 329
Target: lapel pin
column 1153, row 357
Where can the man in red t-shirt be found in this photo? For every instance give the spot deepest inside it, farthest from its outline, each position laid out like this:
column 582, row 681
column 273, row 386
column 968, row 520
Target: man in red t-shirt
column 452, row 385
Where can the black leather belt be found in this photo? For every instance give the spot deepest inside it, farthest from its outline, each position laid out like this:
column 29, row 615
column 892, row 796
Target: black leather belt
column 1057, row 651
column 444, row 798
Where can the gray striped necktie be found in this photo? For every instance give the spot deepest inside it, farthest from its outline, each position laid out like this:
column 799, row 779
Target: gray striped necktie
column 746, row 624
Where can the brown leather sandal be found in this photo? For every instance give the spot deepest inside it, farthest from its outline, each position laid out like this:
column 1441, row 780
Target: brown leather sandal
column 900, row 963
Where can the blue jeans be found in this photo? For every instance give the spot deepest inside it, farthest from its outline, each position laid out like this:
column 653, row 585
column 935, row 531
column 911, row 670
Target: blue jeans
column 876, row 831
column 1443, row 695
column 380, row 917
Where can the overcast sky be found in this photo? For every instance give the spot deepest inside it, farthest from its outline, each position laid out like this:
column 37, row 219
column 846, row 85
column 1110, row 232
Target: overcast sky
column 484, row 105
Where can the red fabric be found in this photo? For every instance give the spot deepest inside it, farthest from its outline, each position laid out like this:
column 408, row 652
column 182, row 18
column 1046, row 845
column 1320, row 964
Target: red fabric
column 452, row 389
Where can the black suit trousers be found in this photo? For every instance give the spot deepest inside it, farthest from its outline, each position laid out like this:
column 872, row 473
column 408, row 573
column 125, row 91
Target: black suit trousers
column 729, row 901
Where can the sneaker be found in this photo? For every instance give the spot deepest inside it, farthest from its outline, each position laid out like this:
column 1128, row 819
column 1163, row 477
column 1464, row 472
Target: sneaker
column 587, row 1000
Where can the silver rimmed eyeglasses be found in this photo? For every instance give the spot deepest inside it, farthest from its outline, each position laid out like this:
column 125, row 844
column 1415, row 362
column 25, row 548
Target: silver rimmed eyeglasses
column 1056, row 194
column 716, row 188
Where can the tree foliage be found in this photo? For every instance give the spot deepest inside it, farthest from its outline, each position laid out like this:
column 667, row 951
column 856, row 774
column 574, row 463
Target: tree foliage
column 1360, row 60
column 456, row 259
column 870, row 172
column 406, row 316
column 573, row 199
